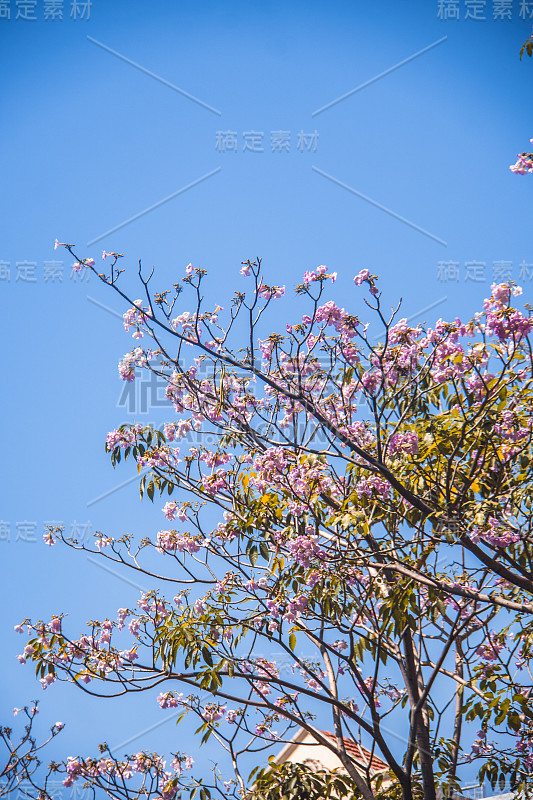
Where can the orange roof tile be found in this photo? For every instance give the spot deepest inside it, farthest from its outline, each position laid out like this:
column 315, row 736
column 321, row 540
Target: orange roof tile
column 360, row 754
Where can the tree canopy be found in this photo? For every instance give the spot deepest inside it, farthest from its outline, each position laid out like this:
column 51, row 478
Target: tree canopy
column 357, row 503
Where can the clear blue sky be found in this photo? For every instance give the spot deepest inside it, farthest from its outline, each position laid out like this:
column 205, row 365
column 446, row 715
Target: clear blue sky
column 89, row 141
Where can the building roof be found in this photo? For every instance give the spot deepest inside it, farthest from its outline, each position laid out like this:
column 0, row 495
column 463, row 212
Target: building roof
column 359, row 753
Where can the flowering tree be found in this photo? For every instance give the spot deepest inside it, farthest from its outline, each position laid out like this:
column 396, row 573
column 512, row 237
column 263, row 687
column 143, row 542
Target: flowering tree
column 370, row 559
column 524, row 162
column 21, row 770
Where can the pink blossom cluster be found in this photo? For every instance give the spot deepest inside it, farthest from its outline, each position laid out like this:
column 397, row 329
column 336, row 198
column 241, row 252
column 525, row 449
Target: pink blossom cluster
column 268, row 292
column 172, row 541
column 213, row 712
column 360, row 434
column 79, row 265
column 510, row 428
column 271, row 468
column 402, row 333
column 204, row 402
column 305, row 550
column 495, row 534
column 308, row 479
column 479, row 385
column 186, row 321
column 293, row 609
column 215, row 459
column 262, row 671
column 169, row 700
column 312, row 684
column 372, row 688
column 177, row 430
column 373, row 382
column 135, row 317
column 130, row 361
column 320, row 273
column 139, row 763
column 91, row 655
column 502, row 320
column 489, row 651
column 403, row 443
column 214, row 483
column 164, row 456
column 151, row 604
column 525, row 748
column 524, row 163
column 224, row 533
column 364, row 276
column 263, row 730
column 345, row 324
column 367, row 486
column 172, row 510
column 480, row 745
column 123, row 438
column 48, row 680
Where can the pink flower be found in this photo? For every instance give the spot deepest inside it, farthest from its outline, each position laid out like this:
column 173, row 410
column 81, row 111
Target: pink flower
column 188, row 269
column 362, row 276
column 48, row 680
column 213, row 712
column 312, row 579
column 167, row 700
column 267, row 292
column 48, row 538
column 245, row 270
column 89, row 262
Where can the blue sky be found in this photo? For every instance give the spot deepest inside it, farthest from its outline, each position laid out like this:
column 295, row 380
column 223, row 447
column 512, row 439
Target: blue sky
column 408, row 171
